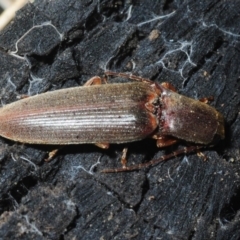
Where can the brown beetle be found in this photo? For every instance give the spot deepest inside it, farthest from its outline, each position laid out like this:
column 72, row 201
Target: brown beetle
column 112, row 113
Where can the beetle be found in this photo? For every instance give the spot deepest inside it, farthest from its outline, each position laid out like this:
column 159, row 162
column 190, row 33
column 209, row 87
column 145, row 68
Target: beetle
column 112, row 113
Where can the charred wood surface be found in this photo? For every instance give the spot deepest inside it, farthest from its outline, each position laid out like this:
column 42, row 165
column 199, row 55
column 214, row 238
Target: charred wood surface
column 194, row 45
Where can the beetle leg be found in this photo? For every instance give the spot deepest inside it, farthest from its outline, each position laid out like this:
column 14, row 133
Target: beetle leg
column 137, row 78
column 52, row 154
column 93, row 81
column 202, row 155
column 154, row 161
column 206, row 99
column 102, row 145
column 166, row 141
column 124, row 158
column 169, row 86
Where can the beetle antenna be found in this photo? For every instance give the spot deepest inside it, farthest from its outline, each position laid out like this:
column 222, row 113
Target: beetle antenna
column 130, row 76
column 154, row 161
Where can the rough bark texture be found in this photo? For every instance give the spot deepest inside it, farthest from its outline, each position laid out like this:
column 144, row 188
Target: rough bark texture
column 195, row 45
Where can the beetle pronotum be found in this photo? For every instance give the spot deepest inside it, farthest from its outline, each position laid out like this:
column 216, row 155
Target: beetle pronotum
column 112, row 113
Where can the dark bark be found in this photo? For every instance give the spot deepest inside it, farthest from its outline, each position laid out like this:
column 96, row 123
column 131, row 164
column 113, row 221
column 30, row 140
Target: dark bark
column 58, row 44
